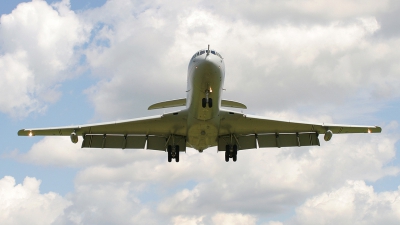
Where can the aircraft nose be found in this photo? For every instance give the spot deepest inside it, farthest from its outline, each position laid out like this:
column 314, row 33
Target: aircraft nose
column 210, row 63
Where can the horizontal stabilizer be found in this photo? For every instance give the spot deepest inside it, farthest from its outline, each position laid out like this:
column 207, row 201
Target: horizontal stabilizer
column 232, row 104
column 182, row 102
column 168, row 104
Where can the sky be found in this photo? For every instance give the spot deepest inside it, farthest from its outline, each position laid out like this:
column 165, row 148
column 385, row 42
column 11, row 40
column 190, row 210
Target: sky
column 73, row 62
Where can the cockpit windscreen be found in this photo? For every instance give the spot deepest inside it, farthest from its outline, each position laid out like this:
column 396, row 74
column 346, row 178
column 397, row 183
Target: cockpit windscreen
column 201, row 52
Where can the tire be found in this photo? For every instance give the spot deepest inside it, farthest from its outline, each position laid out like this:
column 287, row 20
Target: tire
column 204, row 102
column 234, row 153
column 176, row 153
column 210, row 103
column 226, row 156
column 169, row 148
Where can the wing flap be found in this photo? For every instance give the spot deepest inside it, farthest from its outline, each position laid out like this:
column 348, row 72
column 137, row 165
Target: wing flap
column 269, row 141
column 156, row 143
column 243, row 142
column 287, row 140
column 152, row 142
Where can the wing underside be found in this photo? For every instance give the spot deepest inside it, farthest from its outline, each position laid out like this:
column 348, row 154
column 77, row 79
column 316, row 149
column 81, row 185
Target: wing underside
column 157, row 132
column 150, row 132
column 251, row 131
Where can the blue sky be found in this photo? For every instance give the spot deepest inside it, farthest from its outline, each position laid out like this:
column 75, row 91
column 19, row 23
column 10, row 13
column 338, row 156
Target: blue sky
column 75, row 62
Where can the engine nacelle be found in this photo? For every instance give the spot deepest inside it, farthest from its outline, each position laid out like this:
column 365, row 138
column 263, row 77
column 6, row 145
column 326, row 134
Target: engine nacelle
column 328, row 135
column 74, row 137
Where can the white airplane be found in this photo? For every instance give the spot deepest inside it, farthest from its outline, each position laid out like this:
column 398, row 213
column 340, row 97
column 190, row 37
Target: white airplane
column 202, row 124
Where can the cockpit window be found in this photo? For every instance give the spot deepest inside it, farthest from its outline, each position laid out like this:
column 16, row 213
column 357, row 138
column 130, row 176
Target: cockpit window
column 201, row 52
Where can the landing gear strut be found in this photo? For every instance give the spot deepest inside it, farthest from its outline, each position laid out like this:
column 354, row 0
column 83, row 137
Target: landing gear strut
column 207, row 101
column 173, row 153
column 231, row 152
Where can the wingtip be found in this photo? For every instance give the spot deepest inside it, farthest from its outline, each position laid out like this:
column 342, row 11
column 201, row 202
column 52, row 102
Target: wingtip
column 22, row 132
column 378, row 129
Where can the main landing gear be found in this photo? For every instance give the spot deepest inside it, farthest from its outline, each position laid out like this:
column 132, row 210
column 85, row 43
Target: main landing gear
column 231, row 152
column 173, row 153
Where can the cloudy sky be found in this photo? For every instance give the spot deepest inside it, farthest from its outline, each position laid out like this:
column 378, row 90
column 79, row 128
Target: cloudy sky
column 75, row 62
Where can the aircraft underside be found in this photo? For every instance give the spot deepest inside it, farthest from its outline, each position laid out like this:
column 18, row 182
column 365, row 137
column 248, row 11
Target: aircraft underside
column 202, row 124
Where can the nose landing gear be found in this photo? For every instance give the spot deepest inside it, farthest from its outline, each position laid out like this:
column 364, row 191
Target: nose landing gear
column 207, row 101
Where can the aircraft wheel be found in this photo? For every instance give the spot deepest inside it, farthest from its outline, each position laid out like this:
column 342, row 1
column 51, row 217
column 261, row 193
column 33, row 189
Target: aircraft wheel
column 210, row 103
column 176, row 153
column 169, row 153
column 227, row 149
column 204, row 102
column 234, row 153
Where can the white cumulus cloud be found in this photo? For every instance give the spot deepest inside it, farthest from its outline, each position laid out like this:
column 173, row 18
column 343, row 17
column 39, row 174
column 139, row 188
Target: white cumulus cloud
column 354, row 203
column 24, row 204
column 37, row 52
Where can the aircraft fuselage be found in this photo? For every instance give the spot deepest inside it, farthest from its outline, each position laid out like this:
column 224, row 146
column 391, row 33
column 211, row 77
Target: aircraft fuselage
column 206, row 75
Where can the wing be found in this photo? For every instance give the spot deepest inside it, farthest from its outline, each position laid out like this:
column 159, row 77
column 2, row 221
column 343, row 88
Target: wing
column 136, row 133
column 267, row 132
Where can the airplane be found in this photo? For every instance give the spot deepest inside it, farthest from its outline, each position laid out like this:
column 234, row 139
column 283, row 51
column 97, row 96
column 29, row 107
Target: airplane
column 202, row 124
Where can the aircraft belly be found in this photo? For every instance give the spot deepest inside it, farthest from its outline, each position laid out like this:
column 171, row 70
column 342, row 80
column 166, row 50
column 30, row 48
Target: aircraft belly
column 206, row 77
column 202, row 134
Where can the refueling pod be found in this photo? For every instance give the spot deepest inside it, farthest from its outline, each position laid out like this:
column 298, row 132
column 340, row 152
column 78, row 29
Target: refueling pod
column 74, row 137
column 328, row 135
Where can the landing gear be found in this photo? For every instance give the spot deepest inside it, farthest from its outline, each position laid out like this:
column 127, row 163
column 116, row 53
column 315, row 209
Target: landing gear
column 169, row 153
column 227, row 150
column 204, row 103
column 234, row 153
column 231, row 152
column 207, row 101
column 176, row 153
column 173, row 153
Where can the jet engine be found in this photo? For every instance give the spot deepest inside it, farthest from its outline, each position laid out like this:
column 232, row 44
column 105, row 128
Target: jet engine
column 328, row 135
column 74, row 137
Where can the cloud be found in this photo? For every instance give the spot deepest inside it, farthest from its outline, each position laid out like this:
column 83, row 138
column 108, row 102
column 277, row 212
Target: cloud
column 24, row 204
column 37, row 52
column 292, row 66
column 106, row 204
column 273, row 180
column 277, row 179
column 354, row 203
column 60, row 151
column 181, row 220
column 233, row 218
column 304, row 64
